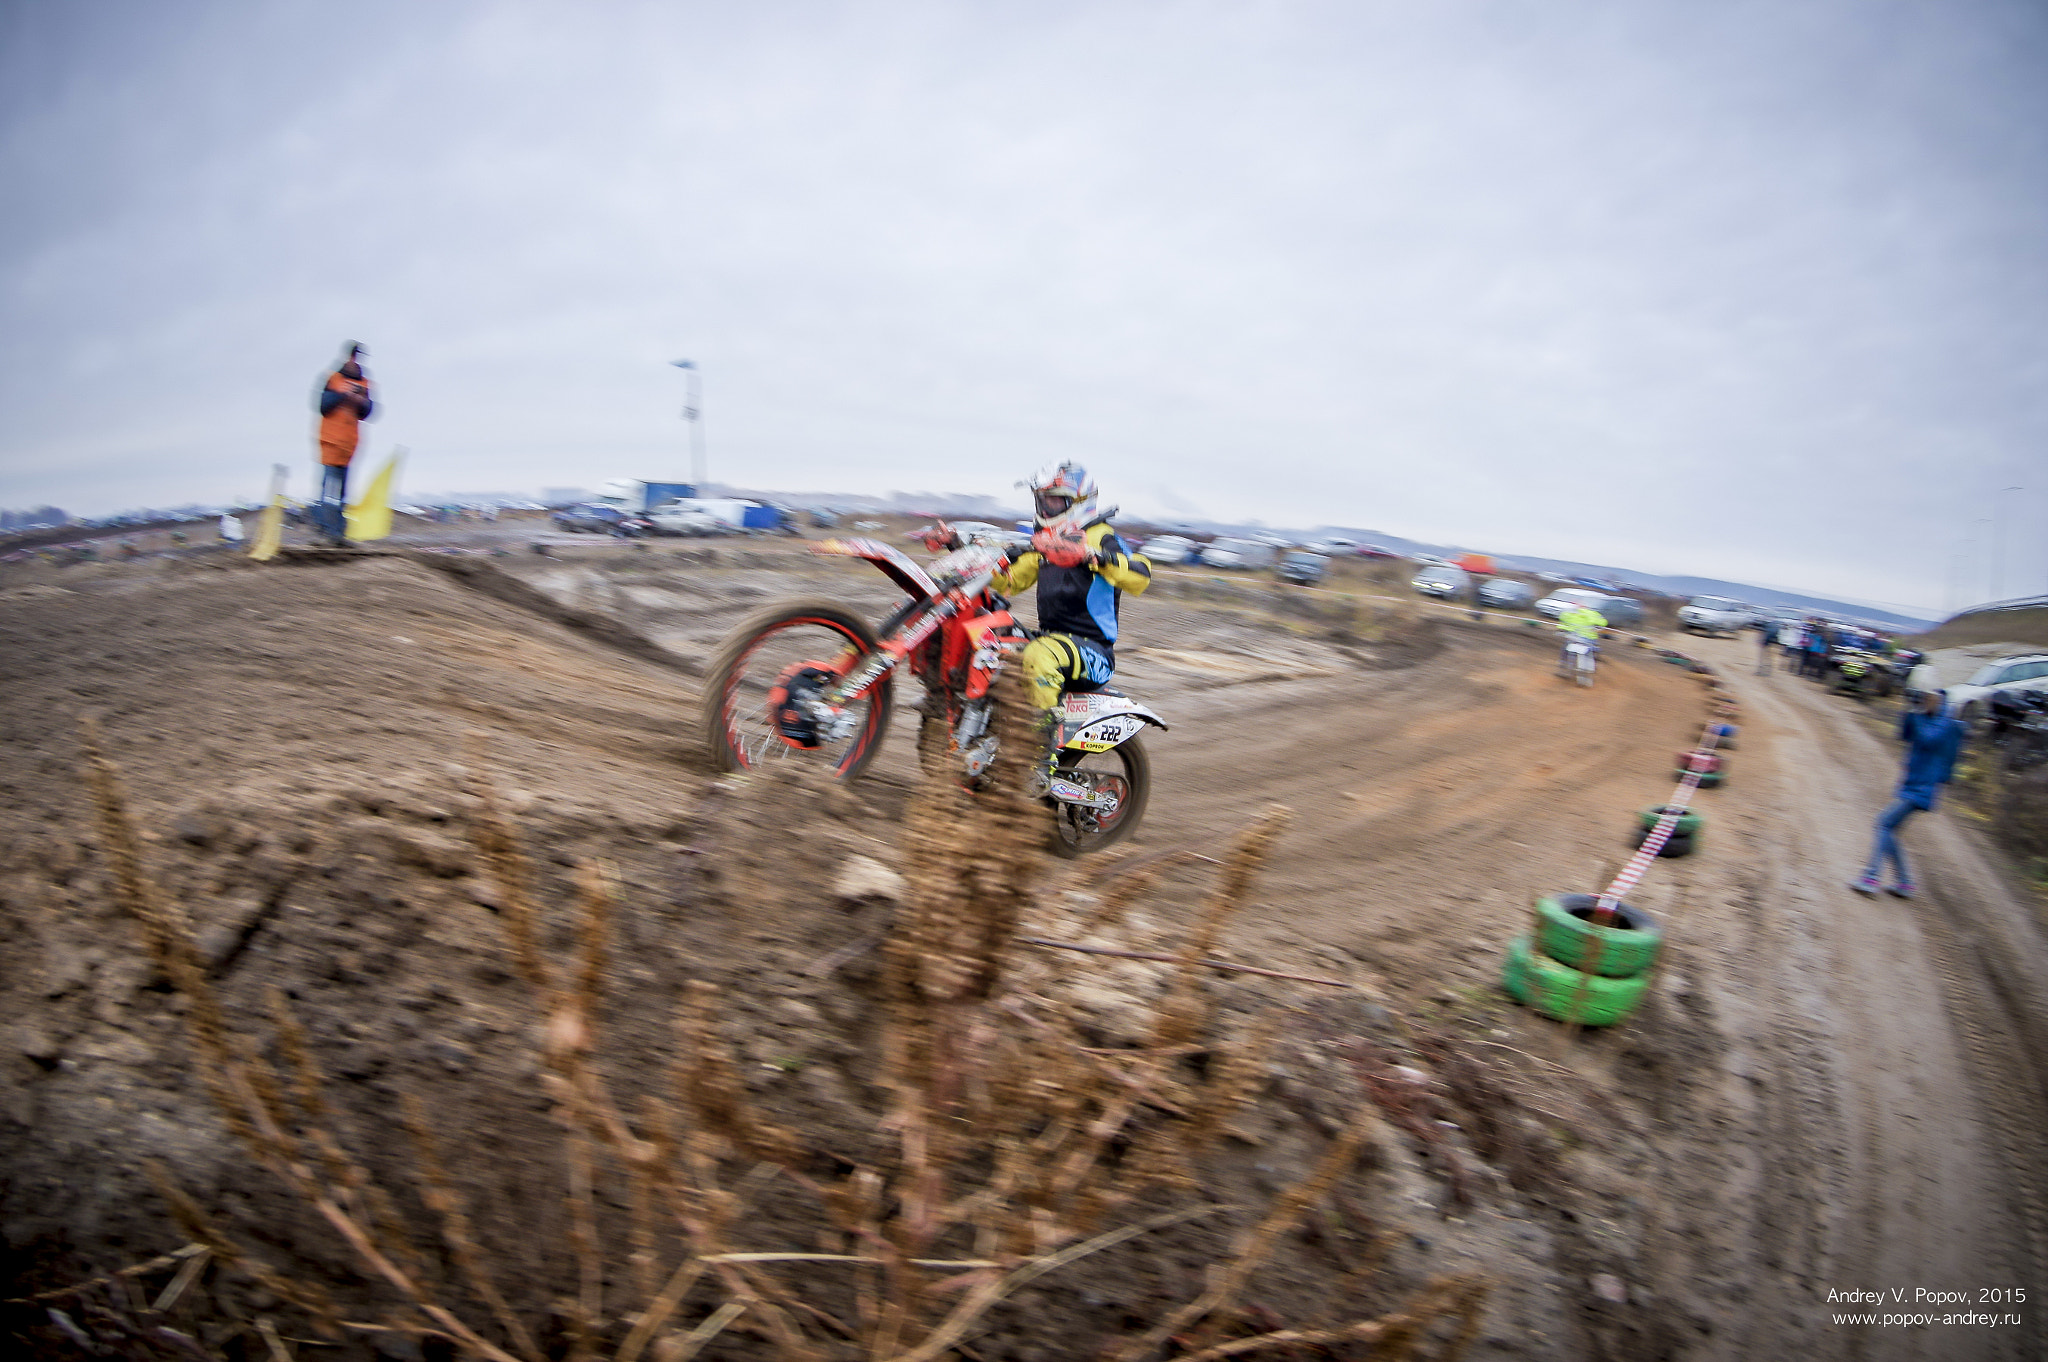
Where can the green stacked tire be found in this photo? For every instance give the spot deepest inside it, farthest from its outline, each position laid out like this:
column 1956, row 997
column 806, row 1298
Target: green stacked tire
column 1624, row 948
column 1567, row 994
column 1576, row 971
column 1688, row 824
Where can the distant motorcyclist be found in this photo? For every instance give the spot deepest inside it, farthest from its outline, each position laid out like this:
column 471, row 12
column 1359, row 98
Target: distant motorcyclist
column 1578, row 624
column 1082, row 570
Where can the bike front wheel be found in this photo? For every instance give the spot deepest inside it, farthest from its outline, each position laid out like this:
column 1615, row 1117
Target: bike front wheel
column 739, row 722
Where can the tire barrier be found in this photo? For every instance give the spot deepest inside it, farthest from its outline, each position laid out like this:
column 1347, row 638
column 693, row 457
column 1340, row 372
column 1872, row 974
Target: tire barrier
column 1686, row 824
column 1678, row 844
column 1565, row 932
column 1618, row 944
column 1569, row 995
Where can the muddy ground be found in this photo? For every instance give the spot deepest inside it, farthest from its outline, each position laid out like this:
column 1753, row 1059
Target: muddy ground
column 1824, row 1092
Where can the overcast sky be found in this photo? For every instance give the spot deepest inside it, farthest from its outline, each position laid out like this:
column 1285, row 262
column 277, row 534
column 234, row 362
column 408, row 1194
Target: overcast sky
column 1750, row 290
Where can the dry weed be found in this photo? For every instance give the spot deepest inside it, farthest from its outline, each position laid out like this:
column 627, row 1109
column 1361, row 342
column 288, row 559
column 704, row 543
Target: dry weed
column 1014, row 1145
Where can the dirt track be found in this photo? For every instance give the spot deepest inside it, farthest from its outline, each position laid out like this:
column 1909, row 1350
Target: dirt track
column 1825, row 1092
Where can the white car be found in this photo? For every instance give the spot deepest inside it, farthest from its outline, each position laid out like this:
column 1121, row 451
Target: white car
column 1431, row 560
column 2021, row 671
column 1557, row 602
column 1714, row 615
column 676, row 518
column 1238, row 553
column 1170, row 550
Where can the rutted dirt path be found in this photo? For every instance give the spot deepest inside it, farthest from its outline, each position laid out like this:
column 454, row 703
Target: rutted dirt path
column 1902, row 1040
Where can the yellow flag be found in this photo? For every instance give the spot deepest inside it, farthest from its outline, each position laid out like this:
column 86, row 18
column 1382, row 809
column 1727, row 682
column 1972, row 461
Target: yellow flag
column 370, row 518
column 270, row 525
column 269, row 530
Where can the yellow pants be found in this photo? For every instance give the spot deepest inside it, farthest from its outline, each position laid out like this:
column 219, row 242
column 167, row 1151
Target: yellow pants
column 1052, row 662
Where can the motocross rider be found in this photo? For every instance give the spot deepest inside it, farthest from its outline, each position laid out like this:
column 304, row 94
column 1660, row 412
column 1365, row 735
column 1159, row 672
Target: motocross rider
column 1581, row 623
column 1082, row 571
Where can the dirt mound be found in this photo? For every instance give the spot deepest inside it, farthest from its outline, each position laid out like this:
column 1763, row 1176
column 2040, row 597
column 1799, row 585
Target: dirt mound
column 385, row 1015
column 2021, row 628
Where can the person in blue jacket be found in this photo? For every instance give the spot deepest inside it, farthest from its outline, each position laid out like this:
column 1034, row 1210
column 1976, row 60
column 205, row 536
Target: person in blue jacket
column 1932, row 739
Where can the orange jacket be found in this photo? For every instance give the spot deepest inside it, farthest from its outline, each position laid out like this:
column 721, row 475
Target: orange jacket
column 338, row 428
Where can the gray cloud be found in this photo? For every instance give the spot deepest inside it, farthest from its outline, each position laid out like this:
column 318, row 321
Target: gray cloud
column 1751, row 290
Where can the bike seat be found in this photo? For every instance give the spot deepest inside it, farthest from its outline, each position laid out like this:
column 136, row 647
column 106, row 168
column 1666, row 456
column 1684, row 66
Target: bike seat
column 1092, row 688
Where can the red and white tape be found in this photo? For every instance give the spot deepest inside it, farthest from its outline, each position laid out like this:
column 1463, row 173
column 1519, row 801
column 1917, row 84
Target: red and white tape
column 1660, row 833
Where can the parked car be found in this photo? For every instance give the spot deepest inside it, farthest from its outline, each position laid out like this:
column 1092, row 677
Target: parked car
column 1505, row 593
column 679, row 517
column 1171, row 550
column 1376, row 551
column 2019, row 672
column 1620, row 611
column 1565, row 598
column 1714, row 615
column 1302, row 568
column 1442, row 580
column 595, row 517
column 1238, row 553
column 1431, row 560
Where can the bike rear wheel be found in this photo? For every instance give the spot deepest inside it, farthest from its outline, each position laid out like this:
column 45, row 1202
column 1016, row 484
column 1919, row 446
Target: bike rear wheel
column 739, row 727
column 1077, row 831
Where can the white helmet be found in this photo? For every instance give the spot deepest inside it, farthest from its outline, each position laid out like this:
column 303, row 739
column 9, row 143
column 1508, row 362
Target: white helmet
column 1062, row 497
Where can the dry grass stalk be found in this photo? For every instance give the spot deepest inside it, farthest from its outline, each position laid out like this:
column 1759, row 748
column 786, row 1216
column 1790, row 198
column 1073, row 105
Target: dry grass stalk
column 1183, row 1011
column 498, row 847
column 594, row 903
column 161, row 1263
column 682, row 1347
column 710, row 1085
column 1237, row 1069
column 307, row 1296
column 589, row 1298
column 163, row 929
column 278, row 1352
column 440, row 1196
column 1228, row 1279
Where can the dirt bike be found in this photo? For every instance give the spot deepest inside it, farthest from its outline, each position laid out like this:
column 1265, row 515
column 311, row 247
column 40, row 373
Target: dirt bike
column 812, row 679
column 1577, row 661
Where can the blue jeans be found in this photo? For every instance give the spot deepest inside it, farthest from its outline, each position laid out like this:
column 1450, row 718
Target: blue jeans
column 329, row 514
column 1888, row 842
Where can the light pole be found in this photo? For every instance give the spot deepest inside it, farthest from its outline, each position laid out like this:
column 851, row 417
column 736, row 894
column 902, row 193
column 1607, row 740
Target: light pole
column 693, row 412
column 1998, row 546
